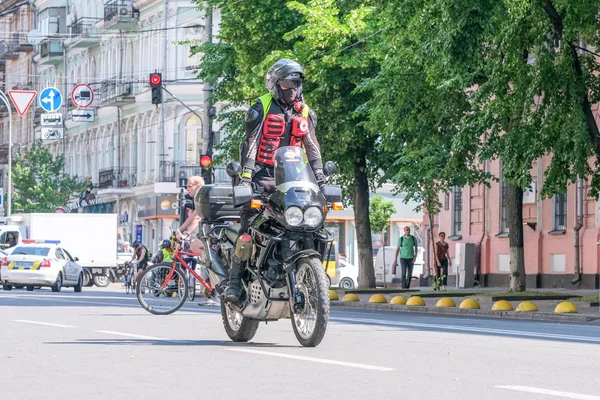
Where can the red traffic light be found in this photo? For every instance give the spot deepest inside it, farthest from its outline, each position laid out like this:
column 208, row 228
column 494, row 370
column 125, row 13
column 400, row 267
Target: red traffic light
column 155, row 79
column 205, row 161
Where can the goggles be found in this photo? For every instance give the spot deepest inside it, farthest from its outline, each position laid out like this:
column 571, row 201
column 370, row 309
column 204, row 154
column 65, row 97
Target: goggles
column 286, row 84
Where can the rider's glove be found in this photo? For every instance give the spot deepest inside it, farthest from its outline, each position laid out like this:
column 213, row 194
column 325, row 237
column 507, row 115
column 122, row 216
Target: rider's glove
column 320, row 176
column 246, row 177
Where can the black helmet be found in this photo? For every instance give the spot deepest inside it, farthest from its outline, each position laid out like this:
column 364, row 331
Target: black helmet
column 136, row 244
column 165, row 244
column 284, row 68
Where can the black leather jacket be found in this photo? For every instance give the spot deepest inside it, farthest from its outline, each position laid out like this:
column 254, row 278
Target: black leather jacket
column 254, row 123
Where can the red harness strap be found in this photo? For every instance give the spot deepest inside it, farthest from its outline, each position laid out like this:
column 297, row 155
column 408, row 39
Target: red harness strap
column 273, row 129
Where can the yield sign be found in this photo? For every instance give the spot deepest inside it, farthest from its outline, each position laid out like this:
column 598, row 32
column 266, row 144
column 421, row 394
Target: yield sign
column 22, row 99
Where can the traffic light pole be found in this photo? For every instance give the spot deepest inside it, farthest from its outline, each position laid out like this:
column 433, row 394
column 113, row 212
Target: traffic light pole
column 9, row 189
column 209, row 110
column 210, row 135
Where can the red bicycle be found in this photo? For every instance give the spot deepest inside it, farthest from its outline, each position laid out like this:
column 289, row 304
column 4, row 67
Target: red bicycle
column 163, row 288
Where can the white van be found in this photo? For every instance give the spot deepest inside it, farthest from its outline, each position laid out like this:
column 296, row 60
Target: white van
column 390, row 251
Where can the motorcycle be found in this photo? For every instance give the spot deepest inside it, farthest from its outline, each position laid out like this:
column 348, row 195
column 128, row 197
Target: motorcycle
column 282, row 250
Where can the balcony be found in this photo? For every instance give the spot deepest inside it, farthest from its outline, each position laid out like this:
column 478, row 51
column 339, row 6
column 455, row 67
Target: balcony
column 51, row 52
column 117, row 180
column 115, row 94
column 120, row 14
column 20, row 43
column 7, row 52
column 83, row 33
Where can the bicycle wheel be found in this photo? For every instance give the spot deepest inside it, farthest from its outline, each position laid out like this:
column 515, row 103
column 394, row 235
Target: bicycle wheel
column 158, row 296
column 191, row 281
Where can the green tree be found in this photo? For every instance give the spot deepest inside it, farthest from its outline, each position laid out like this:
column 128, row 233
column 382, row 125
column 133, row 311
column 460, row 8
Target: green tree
column 380, row 211
column 329, row 38
column 38, row 181
column 520, row 80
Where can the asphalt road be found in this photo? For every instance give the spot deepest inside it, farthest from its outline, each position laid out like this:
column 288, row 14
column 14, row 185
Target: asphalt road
column 100, row 344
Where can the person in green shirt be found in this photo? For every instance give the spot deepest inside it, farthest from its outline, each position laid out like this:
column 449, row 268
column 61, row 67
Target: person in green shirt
column 407, row 247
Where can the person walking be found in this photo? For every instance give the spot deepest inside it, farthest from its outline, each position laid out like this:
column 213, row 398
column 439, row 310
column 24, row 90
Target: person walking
column 407, row 249
column 442, row 261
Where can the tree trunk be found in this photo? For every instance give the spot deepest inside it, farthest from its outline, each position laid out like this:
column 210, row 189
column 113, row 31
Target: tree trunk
column 366, row 274
column 514, row 208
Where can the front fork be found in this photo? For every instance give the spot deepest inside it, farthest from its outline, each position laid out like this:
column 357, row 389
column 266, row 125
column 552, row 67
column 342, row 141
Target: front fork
column 298, row 297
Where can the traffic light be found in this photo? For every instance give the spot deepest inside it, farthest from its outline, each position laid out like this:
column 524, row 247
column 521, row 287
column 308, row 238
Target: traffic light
column 206, row 164
column 156, row 88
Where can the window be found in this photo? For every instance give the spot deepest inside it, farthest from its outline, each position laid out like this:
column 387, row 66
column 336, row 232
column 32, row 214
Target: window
column 456, row 211
column 60, row 255
column 338, row 229
column 560, row 212
column 193, row 139
column 31, row 251
column 503, row 207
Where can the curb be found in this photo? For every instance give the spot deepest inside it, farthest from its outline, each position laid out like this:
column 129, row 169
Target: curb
column 536, row 316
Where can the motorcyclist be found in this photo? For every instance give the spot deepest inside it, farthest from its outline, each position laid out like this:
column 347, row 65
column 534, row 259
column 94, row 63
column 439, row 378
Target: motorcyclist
column 278, row 118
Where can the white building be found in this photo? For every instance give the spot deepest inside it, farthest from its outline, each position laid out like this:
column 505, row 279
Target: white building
column 133, row 151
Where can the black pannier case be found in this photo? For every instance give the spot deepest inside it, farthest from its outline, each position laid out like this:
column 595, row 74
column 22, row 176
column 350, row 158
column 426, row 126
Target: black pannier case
column 216, row 201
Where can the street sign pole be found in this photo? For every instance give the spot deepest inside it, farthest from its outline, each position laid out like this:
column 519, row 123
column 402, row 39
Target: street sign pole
column 9, row 195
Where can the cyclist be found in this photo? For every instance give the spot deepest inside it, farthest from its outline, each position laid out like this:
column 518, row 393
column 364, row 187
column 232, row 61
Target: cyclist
column 139, row 257
column 165, row 254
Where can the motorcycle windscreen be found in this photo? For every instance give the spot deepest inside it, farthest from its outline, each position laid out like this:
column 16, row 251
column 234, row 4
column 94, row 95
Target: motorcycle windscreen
column 292, row 170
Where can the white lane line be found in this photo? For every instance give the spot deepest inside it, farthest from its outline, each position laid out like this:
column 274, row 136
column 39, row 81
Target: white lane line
column 541, row 335
column 313, row 359
column 132, row 335
column 44, row 323
column 548, row 392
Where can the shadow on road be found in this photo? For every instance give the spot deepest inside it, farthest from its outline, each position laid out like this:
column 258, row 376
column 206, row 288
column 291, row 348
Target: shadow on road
column 167, row 342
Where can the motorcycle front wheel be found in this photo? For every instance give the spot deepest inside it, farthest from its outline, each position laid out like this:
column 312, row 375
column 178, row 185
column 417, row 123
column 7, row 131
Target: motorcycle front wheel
column 310, row 323
column 237, row 327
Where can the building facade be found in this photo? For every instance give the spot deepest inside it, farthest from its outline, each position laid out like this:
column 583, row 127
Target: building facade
column 133, row 151
column 17, row 19
column 478, row 215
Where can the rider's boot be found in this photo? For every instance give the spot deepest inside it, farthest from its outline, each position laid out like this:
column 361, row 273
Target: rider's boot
column 234, row 287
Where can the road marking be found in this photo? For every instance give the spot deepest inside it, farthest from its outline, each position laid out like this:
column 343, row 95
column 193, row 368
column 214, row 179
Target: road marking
column 44, row 323
column 188, row 306
column 541, row 335
column 132, row 335
column 548, row 392
column 313, row 359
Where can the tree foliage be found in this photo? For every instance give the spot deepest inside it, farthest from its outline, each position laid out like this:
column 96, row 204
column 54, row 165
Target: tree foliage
column 39, row 183
column 380, row 212
column 325, row 37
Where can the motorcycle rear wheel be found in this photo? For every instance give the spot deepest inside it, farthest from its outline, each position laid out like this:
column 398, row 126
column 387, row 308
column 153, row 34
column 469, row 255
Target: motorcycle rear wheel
column 310, row 324
column 237, row 327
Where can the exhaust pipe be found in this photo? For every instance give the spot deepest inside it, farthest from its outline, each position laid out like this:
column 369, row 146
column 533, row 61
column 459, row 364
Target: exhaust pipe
column 576, row 229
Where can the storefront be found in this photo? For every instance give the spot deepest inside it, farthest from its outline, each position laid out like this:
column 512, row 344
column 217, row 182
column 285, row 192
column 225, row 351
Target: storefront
column 157, row 216
column 93, row 206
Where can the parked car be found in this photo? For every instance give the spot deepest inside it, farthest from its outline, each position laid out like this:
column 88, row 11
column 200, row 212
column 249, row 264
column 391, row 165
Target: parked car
column 346, row 274
column 41, row 263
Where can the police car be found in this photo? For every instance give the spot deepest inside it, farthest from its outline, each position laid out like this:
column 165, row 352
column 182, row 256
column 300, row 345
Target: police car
column 41, row 263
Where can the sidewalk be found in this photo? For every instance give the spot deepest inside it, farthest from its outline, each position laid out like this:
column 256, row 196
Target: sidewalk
column 545, row 302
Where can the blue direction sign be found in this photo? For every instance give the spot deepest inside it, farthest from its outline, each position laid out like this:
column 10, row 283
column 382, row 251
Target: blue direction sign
column 50, row 99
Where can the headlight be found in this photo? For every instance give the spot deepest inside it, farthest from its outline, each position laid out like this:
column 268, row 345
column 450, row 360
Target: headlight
column 293, row 216
column 313, row 216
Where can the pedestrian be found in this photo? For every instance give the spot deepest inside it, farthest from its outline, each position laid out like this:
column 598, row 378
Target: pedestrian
column 442, row 261
column 407, row 248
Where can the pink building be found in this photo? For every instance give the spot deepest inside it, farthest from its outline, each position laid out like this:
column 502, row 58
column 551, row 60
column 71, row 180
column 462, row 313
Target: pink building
column 478, row 215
